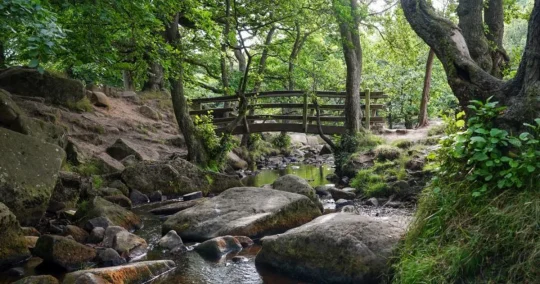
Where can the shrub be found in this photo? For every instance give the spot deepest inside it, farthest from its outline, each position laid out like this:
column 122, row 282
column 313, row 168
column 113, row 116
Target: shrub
column 387, row 152
column 83, row 105
column 436, row 130
column 403, row 143
column 282, row 141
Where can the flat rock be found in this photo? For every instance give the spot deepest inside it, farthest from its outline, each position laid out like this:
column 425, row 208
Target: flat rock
column 28, row 172
column 132, row 273
column 123, row 148
column 109, row 164
column 341, row 194
column 100, row 99
column 39, row 279
column 192, row 196
column 334, row 248
column 244, row 211
column 296, row 184
column 170, row 209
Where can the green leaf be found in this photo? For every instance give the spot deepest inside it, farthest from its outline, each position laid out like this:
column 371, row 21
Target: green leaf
column 476, row 194
column 531, row 168
column 481, row 131
column 478, row 139
column 480, row 157
column 33, row 63
column 460, row 123
column 524, row 136
column 514, row 141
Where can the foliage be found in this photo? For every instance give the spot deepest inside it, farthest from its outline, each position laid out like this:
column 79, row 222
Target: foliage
column 489, row 157
column 83, row 105
column 486, row 187
column 282, row 141
column 403, row 143
column 436, row 130
column 90, row 168
column 348, row 144
column 97, row 181
column 387, row 152
column 217, row 146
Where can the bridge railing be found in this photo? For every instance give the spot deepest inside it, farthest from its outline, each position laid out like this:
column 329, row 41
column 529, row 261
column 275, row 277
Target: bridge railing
column 332, row 123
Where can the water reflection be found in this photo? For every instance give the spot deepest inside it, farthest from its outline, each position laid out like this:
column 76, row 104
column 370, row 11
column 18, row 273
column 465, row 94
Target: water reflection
column 315, row 175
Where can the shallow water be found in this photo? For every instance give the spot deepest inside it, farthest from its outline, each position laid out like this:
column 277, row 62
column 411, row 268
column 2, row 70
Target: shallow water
column 314, row 174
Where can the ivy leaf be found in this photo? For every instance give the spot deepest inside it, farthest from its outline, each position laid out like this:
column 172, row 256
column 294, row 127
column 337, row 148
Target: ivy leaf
column 478, row 139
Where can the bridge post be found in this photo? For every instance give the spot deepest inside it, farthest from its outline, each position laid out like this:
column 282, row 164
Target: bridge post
column 305, row 113
column 367, row 111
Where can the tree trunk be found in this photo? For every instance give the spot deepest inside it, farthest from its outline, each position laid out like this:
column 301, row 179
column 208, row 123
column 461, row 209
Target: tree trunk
column 423, row 114
column 154, row 81
column 2, row 56
column 468, row 78
column 224, row 45
column 350, row 38
column 494, row 18
column 196, row 152
column 128, row 80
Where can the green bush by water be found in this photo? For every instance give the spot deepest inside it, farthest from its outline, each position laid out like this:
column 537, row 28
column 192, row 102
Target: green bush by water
column 478, row 221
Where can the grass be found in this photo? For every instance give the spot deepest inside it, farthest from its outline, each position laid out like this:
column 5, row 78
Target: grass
column 403, row 143
column 163, row 100
column 387, row 152
column 83, row 105
column 437, row 130
column 457, row 238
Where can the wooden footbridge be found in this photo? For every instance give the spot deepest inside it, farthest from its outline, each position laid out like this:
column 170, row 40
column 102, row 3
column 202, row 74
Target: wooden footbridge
column 294, row 114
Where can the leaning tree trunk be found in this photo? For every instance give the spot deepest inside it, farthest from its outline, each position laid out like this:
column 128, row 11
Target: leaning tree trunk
column 154, row 82
column 128, row 80
column 470, row 77
column 423, row 114
column 196, row 152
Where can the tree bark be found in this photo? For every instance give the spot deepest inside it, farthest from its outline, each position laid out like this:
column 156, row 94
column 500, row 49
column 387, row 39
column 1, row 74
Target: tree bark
column 352, row 50
column 224, row 45
column 472, row 27
column 154, row 81
column 196, row 152
column 2, row 56
column 494, row 19
column 128, row 80
column 468, row 79
column 423, row 114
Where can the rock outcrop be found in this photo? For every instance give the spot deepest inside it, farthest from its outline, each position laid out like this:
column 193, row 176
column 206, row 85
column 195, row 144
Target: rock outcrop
column 30, row 83
column 335, row 248
column 116, row 214
column 28, row 172
column 13, row 246
column 245, row 211
column 133, row 273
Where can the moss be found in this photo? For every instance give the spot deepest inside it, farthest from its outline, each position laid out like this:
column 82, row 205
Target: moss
column 387, row 152
column 83, row 105
column 90, row 168
column 403, row 143
column 436, row 130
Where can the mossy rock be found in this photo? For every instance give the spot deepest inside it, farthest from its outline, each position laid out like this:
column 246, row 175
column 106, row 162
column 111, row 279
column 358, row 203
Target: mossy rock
column 64, row 252
column 334, row 248
column 29, row 82
column 132, row 273
column 119, row 216
column 39, row 279
column 387, row 153
column 13, row 248
column 243, row 211
column 28, row 172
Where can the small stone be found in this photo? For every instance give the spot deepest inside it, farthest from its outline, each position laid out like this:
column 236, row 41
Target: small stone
column 170, row 240
column 155, row 196
column 109, row 257
column 120, row 200
column 180, row 249
column 343, row 202
column 372, row 201
column 216, row 247
column 96, row 235
column 100, row 99
column 77, row 233
column 138, row 198
column 31, row 241
column 193, row 195
column 102, row 222
column 239, row 258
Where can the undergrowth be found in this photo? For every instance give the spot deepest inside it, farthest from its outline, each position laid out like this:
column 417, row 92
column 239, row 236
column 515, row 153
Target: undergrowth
column 478, row 220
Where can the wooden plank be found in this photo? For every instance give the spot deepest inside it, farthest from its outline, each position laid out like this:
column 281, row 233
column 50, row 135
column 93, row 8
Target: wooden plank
column 213, row 110
column 311, row 106
column 293, row 117
column 278, row 127
column 367, row 112
column 273, row 94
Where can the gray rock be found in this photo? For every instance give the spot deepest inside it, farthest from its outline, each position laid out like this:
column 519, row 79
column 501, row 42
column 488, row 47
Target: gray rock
column 96, row 235
column 120, row 200
column 170, row 209
column 118, row 184
column 28, row 172
column 109, row 257
column 247, row 211
column 137, row 272
column 109, row 164
column 322, row 191
column 129, row 245
column 325, row 150
column 123, row 148
column 296, row 184
column 235, row 162
column 244, row 241
column 334, row 248
column 341, row 194
column 98, row 222
column 149, row 112
column 64, row 252
column 12, row 240
column 117, row 215
column 15, row 272
column 29, row 82
column 192, row 196
column 342, row 203
column 77, row 233
column 373, row 202
column 238, row 258
column 129, row 161
column 155, row 196
column 66, row 192
column 110, row 233
column 348, row 209
column 138, row 198
column 39, row 279
column 170, row 240
column 217, row 247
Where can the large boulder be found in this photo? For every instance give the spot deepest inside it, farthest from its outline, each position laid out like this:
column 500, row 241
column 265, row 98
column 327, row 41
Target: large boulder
column 116, row 214
column 67, row 190
column 132, row 273
column 296, row 184
column 173, row 177
column 13, row 248
column 335, row 248
column 39, row 279
column 176, row 207
column 29, row 82
column 28, row 172
column 123, row 148
column 244, row 211
column 64, row 252
column 338, row 194
column 235, row 162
